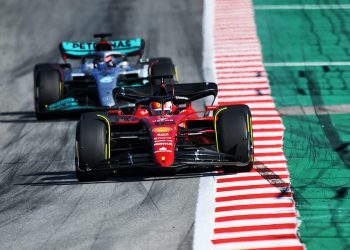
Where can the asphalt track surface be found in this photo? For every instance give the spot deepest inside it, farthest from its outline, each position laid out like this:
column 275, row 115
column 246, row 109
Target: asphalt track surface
column 42, row 206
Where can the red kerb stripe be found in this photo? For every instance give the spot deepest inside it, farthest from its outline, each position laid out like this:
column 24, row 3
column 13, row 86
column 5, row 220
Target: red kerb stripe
column 268, row 146
column 270, row 162
column 255, row 238
column 234, row 188
column 276, row 195
column 269, row 154
column 259, row 122
column 245, row 178
column 254, row 228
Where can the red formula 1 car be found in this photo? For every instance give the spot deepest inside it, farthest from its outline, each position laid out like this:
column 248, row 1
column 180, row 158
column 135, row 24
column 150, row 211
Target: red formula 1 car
column 157, row 128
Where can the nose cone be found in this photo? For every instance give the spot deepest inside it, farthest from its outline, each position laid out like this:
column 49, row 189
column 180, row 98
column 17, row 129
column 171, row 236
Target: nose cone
column 106, row 98
column 105, row 87
column 164, row 145
column 164, row 159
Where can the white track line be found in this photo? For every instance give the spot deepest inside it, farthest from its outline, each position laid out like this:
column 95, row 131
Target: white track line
column 204, row 218
column 305, row 64
column 303, row 7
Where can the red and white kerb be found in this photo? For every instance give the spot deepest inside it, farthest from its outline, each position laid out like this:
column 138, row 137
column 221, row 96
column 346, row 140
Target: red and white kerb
column 252, row 210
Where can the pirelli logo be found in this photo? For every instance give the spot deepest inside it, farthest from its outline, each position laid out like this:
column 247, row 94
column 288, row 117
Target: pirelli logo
column 162, row 129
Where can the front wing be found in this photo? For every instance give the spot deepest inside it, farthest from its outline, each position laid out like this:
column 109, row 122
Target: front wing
column 197, row 158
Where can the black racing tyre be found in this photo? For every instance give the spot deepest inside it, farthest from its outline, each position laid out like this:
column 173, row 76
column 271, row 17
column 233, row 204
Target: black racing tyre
column 93, row 115
column 91, row 146
column 47, row 87
column 235, row 137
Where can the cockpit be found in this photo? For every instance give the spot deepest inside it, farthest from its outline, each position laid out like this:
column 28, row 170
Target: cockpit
column 105, row 60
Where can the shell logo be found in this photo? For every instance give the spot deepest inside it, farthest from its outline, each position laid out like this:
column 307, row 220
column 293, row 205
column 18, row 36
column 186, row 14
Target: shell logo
column 162, row 129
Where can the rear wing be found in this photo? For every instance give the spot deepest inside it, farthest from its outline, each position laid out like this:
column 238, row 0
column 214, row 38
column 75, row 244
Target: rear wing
column 130, row 47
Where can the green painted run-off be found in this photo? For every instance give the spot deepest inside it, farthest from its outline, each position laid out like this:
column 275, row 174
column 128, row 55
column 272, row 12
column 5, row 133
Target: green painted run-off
column 317, row 147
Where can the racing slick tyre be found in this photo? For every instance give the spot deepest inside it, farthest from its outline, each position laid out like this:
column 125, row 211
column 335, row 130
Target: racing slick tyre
column 91, row 146
column 235, row 136
column 47, row 87
column 93, row 115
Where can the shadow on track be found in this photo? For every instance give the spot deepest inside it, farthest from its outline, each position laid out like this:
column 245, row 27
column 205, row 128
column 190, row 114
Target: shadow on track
column 69, row 178
column 29, row 117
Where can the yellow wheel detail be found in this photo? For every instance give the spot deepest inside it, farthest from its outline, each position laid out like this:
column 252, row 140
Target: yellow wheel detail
column 103, row 118
column 176, row 75
column 106, row 151
column 61, row 89
column 215, row 129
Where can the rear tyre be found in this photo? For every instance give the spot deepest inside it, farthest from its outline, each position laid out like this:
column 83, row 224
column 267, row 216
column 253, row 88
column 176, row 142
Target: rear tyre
column 235, row 137
column 91, row 148
column 47, row 87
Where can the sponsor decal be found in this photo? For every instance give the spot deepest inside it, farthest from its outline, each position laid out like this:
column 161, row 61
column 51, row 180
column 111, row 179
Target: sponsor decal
column 163, row 134
column 181, row 98
column 106, row 79
column 121, row 44
column 162, row 129
column 165, row 138
column 92, row 45
column 163, row 151
column 84, row 45
column 163, row 144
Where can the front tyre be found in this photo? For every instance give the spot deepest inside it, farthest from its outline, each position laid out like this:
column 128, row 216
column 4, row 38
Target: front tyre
column 91, row 149
column 235, row 136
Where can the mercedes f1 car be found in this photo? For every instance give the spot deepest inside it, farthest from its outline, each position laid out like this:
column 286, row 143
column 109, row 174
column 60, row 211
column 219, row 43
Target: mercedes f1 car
column 163, row 131
column 62, row 88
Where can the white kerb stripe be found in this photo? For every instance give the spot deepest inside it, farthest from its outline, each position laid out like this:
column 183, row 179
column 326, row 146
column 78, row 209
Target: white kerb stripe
column 249, row 183
column 271, row 189
column 259, row 244
column 256, row 211
column 255, row 222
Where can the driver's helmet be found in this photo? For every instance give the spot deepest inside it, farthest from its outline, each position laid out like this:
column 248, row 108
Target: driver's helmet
column 156, row 108
column 108, row 59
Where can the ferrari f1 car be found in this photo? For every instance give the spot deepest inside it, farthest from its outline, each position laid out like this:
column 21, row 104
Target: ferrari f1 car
column 163, row 131
column 62, row 88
